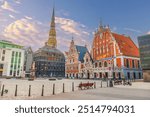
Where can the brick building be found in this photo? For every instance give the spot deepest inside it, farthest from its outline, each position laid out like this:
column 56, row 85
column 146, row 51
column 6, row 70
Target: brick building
column 115, row 55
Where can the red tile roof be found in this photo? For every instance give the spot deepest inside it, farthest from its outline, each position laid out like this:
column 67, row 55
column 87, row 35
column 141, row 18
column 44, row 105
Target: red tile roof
column 126, row 45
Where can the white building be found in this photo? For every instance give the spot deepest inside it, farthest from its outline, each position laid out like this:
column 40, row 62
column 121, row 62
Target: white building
column 11, row 59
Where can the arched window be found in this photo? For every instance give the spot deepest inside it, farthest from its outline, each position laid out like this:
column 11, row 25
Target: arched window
column 105, row 64
column 100, row 64
column 127, row 63
column 95, row 65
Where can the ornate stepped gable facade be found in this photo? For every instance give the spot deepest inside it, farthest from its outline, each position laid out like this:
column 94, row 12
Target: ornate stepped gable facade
column 87, row 66
column 49, row 61
column 74, row 60
column 115, row 55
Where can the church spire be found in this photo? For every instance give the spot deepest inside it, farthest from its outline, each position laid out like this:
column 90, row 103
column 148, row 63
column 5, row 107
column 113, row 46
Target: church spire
column 53, row 18
column 52, row 42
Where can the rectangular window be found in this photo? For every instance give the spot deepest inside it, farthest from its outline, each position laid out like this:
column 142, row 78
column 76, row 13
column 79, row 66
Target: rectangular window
column 3, row 58
column 10, row 72
column 138, row 64
column 18, row 72
column 1, row 66
column 11, row 66
column 3, row 51
column 127, row 63
column 13, row 53
column 19, row 60
column 19, row 54
column 133, row 65
column 16, row 54
column 12, row 59
column 15, row 67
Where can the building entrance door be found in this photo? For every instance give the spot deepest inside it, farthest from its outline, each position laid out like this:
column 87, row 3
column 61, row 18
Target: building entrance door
column 95, row 75
column 128, row 75
column 119, row 75
column 88, row 75
column 134, row 75
column 1, row 73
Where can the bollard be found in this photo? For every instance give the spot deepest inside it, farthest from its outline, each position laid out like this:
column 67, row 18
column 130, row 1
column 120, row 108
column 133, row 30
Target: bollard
column 0, row 85
column 101, row 84
column 42, row 94
column 63, row 88
column 73, row 86
column 53, row 89
column 107, row 83
column 95, row 85
column 16, row 90
column 2, row 93
column 29, row 91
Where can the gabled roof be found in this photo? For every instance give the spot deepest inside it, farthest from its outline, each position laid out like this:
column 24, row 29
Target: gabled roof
column 82, row 51
column 126, row 45
column 90, row 56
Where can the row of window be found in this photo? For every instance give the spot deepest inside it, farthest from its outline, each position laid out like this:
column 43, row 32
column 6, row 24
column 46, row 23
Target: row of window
column 14, row 73
column 133, row 64
column 72, row 68
column 16, row 54
column 102, row 50
column 100, row 64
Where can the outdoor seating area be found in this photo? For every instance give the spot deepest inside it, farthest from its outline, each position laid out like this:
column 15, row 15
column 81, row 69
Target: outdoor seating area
column 86, row 85
column 122, row 82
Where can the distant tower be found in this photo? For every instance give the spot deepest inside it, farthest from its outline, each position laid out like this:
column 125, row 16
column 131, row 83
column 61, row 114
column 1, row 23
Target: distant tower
column 52, row 42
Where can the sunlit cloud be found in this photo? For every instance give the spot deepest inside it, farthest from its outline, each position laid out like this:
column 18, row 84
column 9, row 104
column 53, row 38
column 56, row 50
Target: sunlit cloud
column 30, row 32
column 17, row 1
column 27, row 17
column 148, row 32
column 8, row 7
column 11, row 16
column 132, row 30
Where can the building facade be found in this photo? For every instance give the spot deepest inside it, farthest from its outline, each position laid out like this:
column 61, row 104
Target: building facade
column 144, row 47
column 74, row 60
column 115, row 55
column 11, row 59
column 49, row 61
column 87, row 66
column 28, row 60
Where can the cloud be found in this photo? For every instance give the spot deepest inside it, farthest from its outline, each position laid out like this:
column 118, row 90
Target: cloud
column 18, row 1
column 30, row 32
column 27, row 17
column 7, row 6
column 132, row 30
column 68, row 27
column 11, row 16
column 25, row 32
column 148, row 32
column 114, row 29
column 62, row 12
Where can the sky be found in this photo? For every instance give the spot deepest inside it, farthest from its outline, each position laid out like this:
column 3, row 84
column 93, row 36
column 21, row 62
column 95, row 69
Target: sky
column 27, row 22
